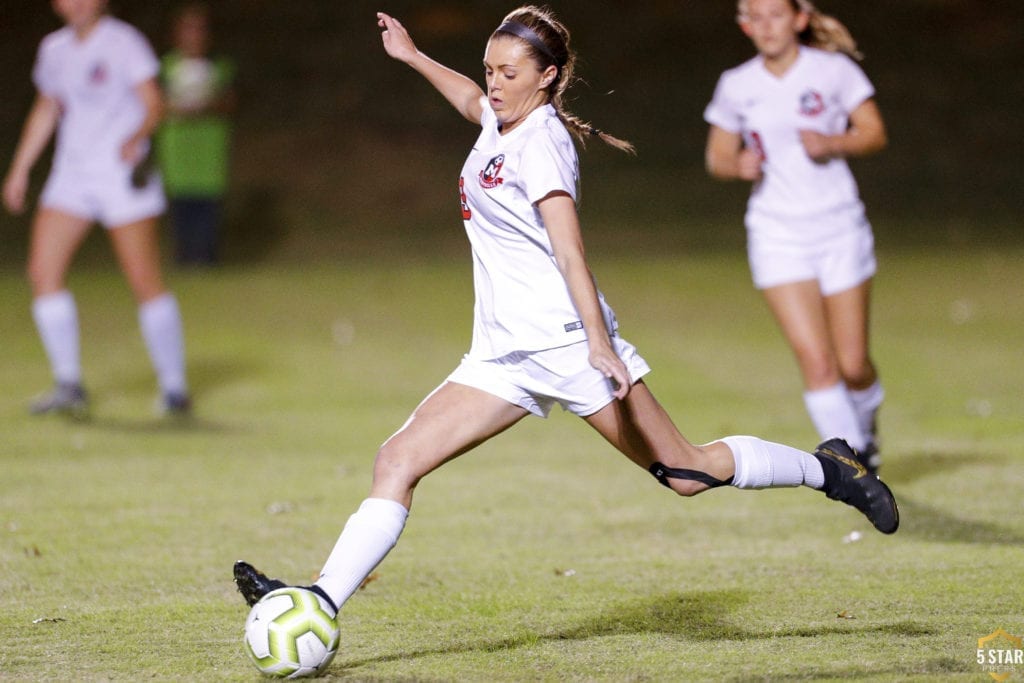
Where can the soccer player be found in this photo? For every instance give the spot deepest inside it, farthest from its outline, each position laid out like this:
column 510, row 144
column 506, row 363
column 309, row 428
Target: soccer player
column 97, row 89
column 543, row 333
column 786, row 120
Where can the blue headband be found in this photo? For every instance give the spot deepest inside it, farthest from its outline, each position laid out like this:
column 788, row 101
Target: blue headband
column 530, row 36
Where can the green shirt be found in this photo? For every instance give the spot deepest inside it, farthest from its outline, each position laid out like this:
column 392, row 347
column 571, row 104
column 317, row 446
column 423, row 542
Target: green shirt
column 193, row 150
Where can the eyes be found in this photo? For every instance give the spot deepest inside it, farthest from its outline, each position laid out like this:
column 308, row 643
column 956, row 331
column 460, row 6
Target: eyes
column 508, row 74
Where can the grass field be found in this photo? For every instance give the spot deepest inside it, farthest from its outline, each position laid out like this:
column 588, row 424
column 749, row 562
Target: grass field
column 542, row 555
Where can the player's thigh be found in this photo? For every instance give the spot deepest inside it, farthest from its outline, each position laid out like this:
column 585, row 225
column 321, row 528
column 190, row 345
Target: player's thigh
column 450, row 421
column 55, row 238
column 800, row 311
column 138, row 253
column 848, row 318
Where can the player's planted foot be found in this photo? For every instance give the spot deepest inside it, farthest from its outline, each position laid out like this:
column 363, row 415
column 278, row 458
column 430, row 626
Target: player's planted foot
column 174, row 404
column 66, row 398
column 870, row 458
column 254, row 584
column 848, row 480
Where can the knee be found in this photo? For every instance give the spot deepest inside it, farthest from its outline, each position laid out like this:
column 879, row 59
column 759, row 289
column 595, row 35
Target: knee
column 858, row 371
column 819, row 369
column 393, row 470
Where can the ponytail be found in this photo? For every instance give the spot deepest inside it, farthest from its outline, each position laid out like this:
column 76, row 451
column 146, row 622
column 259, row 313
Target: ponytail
column 826, row 32
column 548, row 42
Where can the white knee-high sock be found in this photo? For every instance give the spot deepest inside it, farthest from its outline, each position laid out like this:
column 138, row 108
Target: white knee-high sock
column 763, row 464
column 370, row 533
column 867, row 402
column 833, row 414
column 160, row 321
column 56, row 318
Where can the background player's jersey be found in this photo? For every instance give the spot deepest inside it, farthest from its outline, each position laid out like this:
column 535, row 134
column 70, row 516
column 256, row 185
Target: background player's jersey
column 94, row 81
column 522, row 301
column 817, row 93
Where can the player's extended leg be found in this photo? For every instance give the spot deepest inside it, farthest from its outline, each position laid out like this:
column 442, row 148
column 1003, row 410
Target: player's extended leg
column 801, row 313
column 848, row 319
column 450, row 421
column 137, row 248
column 55, row 238
column 641, row 429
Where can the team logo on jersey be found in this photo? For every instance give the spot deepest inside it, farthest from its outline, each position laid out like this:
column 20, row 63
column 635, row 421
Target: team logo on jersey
column 812, row 103
column 98, row 74
column 489, row 176
column 466, row 212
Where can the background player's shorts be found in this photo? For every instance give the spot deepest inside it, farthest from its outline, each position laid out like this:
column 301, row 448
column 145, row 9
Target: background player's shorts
column 537, row 380
column 107, row 198
column 839, row 261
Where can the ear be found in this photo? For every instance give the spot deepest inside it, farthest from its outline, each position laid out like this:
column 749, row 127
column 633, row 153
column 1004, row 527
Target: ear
column 801, row 21
column 548, row 76
column 747, row 29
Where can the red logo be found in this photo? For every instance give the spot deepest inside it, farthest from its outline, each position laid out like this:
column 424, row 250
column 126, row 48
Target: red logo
column 98, row 74
column 466, row 213
column 811, row 103
column 489, row 176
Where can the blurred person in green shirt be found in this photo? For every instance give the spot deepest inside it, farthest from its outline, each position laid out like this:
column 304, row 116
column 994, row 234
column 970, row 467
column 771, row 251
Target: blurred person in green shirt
column 194, row 142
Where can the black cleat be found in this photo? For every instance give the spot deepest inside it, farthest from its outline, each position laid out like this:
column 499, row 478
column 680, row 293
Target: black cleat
column 870, row 458
column 66, row 398
column 174, row 404
column 254, row 584
column 848, row 480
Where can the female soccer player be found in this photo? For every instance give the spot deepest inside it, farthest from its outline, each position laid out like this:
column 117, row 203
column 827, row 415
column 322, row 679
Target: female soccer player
column 97, row 88
column 543, row 333
column 786, row 120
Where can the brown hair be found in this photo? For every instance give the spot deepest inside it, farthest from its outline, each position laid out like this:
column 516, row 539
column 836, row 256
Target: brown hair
column 823, row 30
column 548, row 42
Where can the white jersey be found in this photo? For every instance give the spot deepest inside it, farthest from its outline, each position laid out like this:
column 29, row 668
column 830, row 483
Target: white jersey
column 522, row 301
column 818, row 92
column 94, row 81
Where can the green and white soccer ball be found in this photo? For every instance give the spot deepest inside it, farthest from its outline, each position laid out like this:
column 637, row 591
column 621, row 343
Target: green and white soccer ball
column 290, row 633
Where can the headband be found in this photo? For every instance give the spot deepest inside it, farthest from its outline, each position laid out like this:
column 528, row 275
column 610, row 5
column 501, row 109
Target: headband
column 530, row 36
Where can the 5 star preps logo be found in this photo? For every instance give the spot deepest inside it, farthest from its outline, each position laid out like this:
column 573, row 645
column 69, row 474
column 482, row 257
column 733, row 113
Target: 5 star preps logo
column 1000, row 654
column 489, row 176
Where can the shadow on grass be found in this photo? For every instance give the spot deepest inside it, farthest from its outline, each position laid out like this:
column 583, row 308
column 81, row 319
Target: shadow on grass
column 928, row 523
column 696, row 616
column 905, row 468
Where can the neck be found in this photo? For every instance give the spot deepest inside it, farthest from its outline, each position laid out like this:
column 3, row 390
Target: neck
column 780, row 63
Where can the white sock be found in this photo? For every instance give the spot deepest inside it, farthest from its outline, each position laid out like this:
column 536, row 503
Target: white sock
column 56, row 318
column 160, row 321
column 833, row 414
column 763, row 464
column 867, row 402
column 368, row 536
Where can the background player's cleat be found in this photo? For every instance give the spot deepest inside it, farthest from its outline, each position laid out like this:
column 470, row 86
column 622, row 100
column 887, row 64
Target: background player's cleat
column 254, row 584
column 175, row 404
column 67, row 398
column 870, row 458
column 848, row 480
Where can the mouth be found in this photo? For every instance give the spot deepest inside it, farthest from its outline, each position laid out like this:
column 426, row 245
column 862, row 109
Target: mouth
column 496, row 102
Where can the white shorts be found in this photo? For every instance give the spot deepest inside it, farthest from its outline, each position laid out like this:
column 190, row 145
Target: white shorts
column 839, row 262
column 536, row 380
column 107, row 198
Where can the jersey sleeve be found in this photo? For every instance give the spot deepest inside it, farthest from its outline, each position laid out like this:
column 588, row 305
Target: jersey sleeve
column 548, row 165
column 45, row 72
column 855, row 84
column 722, row 110
column 141, row 62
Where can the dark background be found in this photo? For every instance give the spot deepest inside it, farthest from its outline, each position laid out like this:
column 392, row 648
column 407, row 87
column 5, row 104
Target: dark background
column 341, row 152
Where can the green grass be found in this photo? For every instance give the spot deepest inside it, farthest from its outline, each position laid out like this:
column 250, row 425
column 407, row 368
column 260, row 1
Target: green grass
column 117, row 535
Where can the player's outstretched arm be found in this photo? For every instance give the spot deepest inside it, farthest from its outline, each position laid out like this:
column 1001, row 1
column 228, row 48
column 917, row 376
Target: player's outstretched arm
column 463, row 94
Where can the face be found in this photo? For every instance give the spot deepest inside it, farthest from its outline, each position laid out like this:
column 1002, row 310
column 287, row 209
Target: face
column 773, row 26
column 79, row 14
column 515, row 85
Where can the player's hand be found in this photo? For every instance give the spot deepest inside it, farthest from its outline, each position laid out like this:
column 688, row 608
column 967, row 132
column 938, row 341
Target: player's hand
column 397, row 42
column 604, row 359
column 14, row 191
column 818, row 146
column 131, row 150
column 748, row 164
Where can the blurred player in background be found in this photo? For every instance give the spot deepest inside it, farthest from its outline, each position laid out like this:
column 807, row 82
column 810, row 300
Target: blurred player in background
column 543, row 333
column 97, row 89
column 786, row 120
column 193, row 143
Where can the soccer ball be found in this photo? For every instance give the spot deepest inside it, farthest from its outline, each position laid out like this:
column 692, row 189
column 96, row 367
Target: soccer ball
column 290, row 633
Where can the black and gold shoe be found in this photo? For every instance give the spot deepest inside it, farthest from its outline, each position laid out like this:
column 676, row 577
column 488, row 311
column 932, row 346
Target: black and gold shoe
column 848, row 480
column 254, row 584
